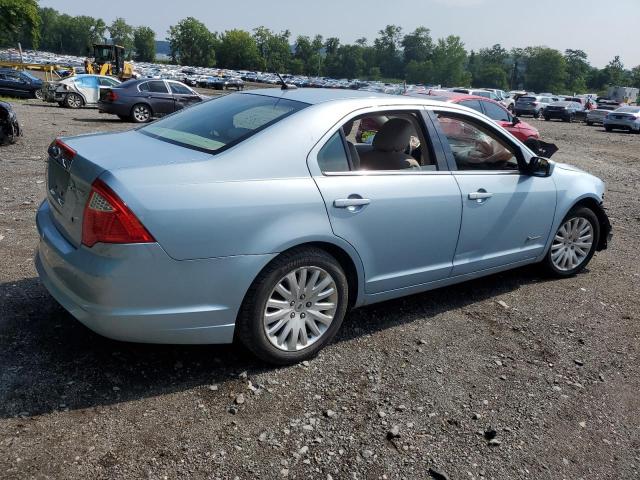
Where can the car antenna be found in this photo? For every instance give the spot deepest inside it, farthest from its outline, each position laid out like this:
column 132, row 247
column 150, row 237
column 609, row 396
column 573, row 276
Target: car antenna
column 285, row 85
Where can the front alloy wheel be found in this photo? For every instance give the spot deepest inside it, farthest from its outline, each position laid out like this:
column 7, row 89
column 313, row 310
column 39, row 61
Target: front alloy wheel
column 38, row 94
column 294, row 307
column 574, row 243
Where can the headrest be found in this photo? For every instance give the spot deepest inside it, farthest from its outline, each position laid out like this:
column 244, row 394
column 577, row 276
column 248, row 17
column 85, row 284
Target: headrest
column 347, row 127
column 394, row 136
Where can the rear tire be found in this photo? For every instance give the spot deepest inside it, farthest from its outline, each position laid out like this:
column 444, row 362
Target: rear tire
column 141, row 113
column 608, row 129
column 280, row 339
column 574, row 243
column 73, row 100
column 38, row 94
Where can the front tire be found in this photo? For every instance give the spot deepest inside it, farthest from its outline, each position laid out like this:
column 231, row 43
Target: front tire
column 294, row 307
column 574, row 243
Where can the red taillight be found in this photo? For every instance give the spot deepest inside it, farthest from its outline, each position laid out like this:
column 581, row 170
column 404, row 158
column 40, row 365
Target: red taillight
column 112, row 96
column 536, row 103
column 107, row 219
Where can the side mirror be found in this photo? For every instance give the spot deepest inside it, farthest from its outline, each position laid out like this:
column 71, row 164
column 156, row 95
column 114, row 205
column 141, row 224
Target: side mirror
column 539, row 167
column 515, row 121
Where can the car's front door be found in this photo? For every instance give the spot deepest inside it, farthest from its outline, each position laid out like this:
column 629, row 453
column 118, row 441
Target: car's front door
column 507, row 213
column 403, row 222
column 160, row 99
column 183, row 96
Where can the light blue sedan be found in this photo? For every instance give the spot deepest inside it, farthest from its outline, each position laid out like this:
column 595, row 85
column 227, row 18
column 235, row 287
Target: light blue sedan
column 265, row 216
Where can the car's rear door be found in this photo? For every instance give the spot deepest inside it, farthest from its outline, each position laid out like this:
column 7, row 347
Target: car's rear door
column 507, row 213
column 404, row 224
column 88, row 87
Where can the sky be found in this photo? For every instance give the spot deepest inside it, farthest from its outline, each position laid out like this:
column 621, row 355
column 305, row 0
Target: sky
column 602, row 29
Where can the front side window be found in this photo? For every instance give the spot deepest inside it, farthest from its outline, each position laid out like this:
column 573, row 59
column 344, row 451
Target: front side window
column 218, row 124
column 476, row 147
column 179, row 89
column 496, row 112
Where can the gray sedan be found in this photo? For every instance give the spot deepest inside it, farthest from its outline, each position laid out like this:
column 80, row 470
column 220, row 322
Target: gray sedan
column 266, row 216
column 141, row 100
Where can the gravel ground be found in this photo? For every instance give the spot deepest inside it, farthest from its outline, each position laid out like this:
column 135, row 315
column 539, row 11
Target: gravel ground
column 512, row 376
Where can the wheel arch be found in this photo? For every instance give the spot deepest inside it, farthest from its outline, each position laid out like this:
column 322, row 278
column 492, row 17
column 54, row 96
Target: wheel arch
column 346, row 257
column 595, row 205
column 146, row 104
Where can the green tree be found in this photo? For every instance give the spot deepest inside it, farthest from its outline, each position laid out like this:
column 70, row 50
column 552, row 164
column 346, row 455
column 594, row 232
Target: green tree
column 19, row 19
column 417, row 46
column 388, row 53
column 419, row 72
column 490, row 67
column 635, row 77
column 449, row 62
column 615, row 72
column 238, row 49
column 121, row 33
column 144, row 41
column 192, row 43
column 274, row 49
column 546, row 70
column 492, row 76
column 577, row 70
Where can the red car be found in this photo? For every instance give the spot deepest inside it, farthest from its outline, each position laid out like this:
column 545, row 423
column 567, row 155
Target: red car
column 495, row 111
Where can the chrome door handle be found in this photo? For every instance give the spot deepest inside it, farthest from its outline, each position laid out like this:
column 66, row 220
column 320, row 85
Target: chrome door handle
column 480, row 195
column 351, row 202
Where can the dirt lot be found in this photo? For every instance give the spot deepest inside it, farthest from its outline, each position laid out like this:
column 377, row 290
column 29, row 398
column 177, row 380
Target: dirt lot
column 552, row 371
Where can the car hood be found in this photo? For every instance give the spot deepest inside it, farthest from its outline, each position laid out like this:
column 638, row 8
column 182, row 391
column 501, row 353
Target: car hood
column 571, row 168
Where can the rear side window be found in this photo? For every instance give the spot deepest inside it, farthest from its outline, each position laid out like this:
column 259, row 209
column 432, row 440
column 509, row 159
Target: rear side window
column 475, row 104
column 496, row 112
column 87, row 82
column 218, row 124
column 333, row 157
column 157, row 86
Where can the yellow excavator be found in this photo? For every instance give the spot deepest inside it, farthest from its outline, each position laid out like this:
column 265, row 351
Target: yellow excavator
column 109, row 60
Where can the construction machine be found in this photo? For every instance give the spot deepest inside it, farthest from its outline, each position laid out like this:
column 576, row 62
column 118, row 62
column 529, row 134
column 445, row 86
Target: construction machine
column 109, row 60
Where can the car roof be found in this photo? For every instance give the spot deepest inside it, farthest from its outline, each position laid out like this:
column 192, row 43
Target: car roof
column 314, row 96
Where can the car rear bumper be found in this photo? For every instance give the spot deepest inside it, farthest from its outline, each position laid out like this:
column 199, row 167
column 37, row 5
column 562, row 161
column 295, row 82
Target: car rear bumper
column 624, row 124
column 138, row 293
column 114, row 108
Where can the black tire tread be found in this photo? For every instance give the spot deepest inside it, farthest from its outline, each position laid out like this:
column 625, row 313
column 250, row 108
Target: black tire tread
column 245, row 326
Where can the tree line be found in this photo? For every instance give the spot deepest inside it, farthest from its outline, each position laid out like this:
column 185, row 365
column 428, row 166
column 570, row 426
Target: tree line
column 394, row 55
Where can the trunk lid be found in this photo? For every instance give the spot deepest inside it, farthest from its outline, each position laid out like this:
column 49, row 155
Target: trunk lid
column 69, row 179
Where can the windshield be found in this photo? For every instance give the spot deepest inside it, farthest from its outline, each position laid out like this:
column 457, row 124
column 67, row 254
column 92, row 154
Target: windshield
column 218, row 124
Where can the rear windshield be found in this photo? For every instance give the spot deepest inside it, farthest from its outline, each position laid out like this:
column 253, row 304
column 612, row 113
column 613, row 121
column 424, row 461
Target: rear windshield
column 218, row 124
column 528, row 99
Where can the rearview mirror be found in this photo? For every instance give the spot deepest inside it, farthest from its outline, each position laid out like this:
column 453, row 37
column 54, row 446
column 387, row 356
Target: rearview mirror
column 515, row 121
column 539, row 167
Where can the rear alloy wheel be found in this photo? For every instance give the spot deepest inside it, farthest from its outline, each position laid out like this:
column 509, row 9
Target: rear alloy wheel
column 73, row 100
column 294, row 307
column 574, row 243
column 141, row 113
column 38, row 94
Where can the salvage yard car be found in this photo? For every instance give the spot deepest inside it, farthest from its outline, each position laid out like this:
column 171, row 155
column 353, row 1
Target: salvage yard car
column 9, row 125
column 257, row 216
column 141, row 100
column 567, row 111
column 532, row 105
column 16, row 83
column 80, row 90
column 599, row 114
column 623, row 118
